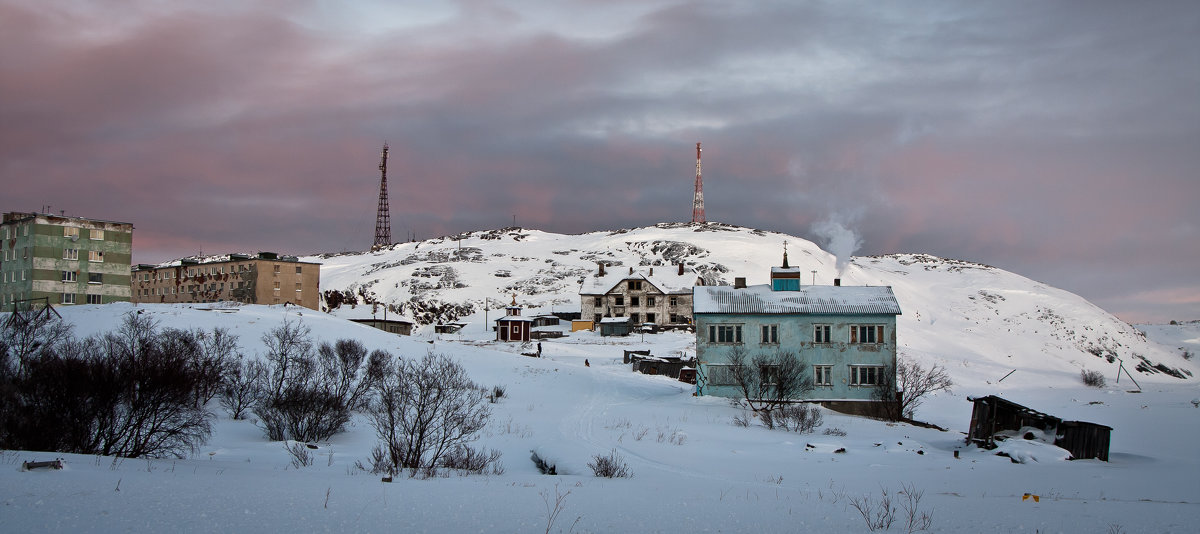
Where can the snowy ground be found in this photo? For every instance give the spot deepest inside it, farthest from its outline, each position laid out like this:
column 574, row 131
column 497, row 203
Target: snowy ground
column 693, row 470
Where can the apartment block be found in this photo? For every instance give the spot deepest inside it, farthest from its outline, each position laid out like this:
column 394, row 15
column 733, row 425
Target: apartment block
column 66, row 260
column 265, row 278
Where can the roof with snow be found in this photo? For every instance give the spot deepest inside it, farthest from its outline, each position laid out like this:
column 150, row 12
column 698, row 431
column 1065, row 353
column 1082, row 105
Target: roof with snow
column 815, row 300
column 665, row 278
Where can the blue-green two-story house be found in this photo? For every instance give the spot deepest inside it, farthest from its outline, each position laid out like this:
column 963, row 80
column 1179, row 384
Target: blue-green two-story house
column 846, row 335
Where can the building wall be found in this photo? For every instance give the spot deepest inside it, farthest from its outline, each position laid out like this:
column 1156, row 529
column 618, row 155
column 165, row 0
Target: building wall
column 795, row 334
column 250, row 281
column 662, row 308
column 68, row 260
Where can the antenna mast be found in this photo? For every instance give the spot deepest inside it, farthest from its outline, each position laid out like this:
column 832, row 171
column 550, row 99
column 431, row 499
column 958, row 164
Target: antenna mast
column 383, row 216
column 698, row 198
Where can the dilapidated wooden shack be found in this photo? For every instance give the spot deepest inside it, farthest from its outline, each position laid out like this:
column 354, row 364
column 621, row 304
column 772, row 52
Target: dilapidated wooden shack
column 993, row 415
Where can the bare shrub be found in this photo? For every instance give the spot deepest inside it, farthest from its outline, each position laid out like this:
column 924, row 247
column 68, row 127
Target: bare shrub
column 878, row 514
column 309, row 396
column 496, row 393
column 742, row 420
column 610, row 466
column 768, row 382
column 1092, row 378
column 242, row 387
column 300, row 453
column 423, row 408
column 130, row 393
column 802, row 418
column 834, row 431
column 913, row 383
column 915, row 520
column 470, row 460
column 553, row 509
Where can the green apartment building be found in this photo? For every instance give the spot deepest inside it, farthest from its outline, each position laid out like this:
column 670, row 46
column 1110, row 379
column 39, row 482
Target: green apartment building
column 67, row 260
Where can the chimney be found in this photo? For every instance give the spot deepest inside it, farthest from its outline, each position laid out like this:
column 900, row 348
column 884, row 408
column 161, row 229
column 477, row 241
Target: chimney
column 681, row 268
column 652, row 271
column 739, row 282
column 631, row 270
column 601, row 269
column 837, row 282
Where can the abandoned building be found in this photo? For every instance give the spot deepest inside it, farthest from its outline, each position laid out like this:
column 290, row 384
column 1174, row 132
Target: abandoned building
column 265, row 278
column 660, row 296
column 992, row 417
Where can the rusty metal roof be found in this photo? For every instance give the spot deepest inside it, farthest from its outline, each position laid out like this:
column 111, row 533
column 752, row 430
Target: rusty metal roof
column 814, row 300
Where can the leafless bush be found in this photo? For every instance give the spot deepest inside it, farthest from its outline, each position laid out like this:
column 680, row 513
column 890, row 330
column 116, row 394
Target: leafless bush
column 553, row 509
column 496, row 393
column 915, row 519
column 1092, row 378
column 802, row 418
column 878, row 514
column 768, row 382
column 610, row 466
column 300, row 453
column 468, row 459
column 742, row 420
column 309, row 397
column 913, row 382
column 242, row 388
column 834, row 431
column 423, row 408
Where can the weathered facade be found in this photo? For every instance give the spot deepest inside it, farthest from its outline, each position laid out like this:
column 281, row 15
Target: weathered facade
column 265, row 278
column 660, row 296
column 394, row 326
column 65, row 260
column 845, row 335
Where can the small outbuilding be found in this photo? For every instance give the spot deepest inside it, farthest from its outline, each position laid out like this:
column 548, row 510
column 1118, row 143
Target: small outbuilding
column 615, row 326
column 395, row 326
column 513, row 326
column 992, row 415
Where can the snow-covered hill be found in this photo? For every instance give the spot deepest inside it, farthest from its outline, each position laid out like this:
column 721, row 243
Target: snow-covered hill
column 979, row 321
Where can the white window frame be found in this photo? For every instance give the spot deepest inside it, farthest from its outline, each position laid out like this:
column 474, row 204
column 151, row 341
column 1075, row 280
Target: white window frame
column 714, row 373
column 823, row 375
column 874, row 333
column 769, row 334
column 70, row 276
column 865, row 375
column 98, row 275
column 68, row 298
column 97, row 235
column 96, row 256
column 71, row 231
column 70, row 254
column 821, row 333
column 725, row 334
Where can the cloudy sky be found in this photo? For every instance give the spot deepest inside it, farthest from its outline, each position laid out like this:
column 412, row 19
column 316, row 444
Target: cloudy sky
column 1057, row 140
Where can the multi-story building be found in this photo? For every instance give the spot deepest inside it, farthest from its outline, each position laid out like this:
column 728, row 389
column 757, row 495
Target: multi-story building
column 846, row 336
column 663, row 297
column 66, row 260
column 266, row 278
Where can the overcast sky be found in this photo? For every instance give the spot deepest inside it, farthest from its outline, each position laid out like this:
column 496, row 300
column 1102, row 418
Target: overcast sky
column 1060, row 141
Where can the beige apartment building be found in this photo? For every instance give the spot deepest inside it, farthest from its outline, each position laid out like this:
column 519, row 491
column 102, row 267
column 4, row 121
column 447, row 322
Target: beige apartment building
column 266, row 278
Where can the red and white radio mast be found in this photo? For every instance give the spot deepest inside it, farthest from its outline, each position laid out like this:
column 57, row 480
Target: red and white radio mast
column 698, row 198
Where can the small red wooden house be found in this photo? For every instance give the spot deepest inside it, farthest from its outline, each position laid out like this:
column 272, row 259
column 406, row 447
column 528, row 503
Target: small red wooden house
column 513, row 327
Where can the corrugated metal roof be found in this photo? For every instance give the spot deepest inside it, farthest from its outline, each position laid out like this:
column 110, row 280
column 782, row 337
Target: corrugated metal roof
column 815, row 300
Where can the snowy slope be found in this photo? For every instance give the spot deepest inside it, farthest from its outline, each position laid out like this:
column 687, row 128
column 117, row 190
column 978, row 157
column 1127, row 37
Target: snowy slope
column 693, row 470
column 981, row 322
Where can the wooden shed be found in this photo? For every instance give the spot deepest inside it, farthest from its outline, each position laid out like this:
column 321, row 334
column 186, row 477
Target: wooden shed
column 615, row 326
column 394, row 326
column 991, row 415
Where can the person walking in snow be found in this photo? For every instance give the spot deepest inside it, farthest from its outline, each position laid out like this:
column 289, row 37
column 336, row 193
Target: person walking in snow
column 585, row 363
column 539, row 349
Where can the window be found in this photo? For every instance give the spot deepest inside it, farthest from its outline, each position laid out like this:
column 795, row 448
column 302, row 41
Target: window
column 821, row 333
column 68, row 298
column 866, row 333
column 823, row 375
column 96, row 256
column 768, row 375
column 297, row 269
column 95, row 299
column 635, row 285
column 70, row 276
column 725, row 333
column 720, row 375
column 633, row 318
column 276, row 269
column 70, row 253
column 98, row 235
column 674, row 301
column 770, row 334
column 633, row 301
column 650, row 318
column 649, row 300
column 598, row 301
column 70, row 231
column 95, row 278
column 785, row 284
column 865, row 375
column 297, row 287
column 619, row 301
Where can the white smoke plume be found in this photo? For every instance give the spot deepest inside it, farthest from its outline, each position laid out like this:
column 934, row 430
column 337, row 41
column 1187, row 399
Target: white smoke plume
column 839, row 240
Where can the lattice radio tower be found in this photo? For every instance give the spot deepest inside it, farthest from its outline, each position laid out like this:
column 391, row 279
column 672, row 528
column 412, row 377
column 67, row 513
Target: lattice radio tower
column 698, row 198
column 383, row 216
